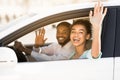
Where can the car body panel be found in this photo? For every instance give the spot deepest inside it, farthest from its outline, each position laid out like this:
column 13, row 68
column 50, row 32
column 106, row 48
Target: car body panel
column 64, row 70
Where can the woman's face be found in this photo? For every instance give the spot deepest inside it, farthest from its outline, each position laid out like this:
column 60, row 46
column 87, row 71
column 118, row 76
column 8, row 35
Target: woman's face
column 79, row 35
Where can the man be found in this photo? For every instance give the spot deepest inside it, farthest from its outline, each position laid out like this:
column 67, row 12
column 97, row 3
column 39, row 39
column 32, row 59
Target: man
column 55, row 51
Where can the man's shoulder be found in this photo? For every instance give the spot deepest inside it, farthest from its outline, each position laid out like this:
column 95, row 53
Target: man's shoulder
column 54, row 44
column 69, row 45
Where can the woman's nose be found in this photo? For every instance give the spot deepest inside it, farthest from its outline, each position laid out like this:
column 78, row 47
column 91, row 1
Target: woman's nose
column 76, row 34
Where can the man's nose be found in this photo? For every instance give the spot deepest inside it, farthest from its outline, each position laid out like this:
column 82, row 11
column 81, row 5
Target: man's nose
column 60, row 34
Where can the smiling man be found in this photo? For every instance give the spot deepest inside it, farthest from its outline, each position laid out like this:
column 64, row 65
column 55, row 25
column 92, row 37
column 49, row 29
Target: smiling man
column 55, row 51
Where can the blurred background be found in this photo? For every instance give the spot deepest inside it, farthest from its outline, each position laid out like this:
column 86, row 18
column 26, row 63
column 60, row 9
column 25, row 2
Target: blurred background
column 12, row 9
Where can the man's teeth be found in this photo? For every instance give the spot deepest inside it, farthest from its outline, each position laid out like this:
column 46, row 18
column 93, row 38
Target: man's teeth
column 61, row 38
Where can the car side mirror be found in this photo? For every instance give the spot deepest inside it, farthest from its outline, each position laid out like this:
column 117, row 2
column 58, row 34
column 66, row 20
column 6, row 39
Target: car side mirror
column 8, row 58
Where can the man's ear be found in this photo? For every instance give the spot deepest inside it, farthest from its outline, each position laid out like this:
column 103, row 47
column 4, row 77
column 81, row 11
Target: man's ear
column 88, row 37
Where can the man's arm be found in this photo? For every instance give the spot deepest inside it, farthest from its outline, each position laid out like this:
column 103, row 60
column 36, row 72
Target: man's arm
column 39, row 40
column 44, row 57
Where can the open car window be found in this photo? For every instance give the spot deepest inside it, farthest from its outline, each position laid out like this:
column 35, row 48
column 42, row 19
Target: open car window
column 28, row 40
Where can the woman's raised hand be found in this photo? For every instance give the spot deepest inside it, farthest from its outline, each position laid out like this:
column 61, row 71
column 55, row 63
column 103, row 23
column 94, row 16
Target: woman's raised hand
column 97, row 16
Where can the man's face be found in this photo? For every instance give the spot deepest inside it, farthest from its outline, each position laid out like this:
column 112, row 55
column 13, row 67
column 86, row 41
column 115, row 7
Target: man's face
column 63, row 35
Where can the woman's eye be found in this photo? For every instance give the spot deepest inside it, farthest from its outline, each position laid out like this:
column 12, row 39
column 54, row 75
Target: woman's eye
column 81, row 32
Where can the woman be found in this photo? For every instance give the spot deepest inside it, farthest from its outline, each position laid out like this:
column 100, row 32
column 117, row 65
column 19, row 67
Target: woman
column 81, row 33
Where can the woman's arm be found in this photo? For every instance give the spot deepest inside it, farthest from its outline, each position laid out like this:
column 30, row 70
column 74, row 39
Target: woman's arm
column 96, row 19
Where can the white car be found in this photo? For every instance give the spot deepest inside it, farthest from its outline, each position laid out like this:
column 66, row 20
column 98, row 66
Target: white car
column 106, row 68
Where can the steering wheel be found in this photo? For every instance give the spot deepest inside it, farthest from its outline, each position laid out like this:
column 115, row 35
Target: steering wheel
column 20, row 56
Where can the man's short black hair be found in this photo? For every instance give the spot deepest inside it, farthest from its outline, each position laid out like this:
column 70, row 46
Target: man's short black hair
column 67, row 24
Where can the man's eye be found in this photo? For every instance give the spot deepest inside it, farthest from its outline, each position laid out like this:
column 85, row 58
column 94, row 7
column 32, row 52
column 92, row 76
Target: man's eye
column 64, row 32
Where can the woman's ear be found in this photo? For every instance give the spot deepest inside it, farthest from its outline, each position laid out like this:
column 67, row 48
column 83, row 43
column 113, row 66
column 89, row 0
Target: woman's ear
column 88, row 37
